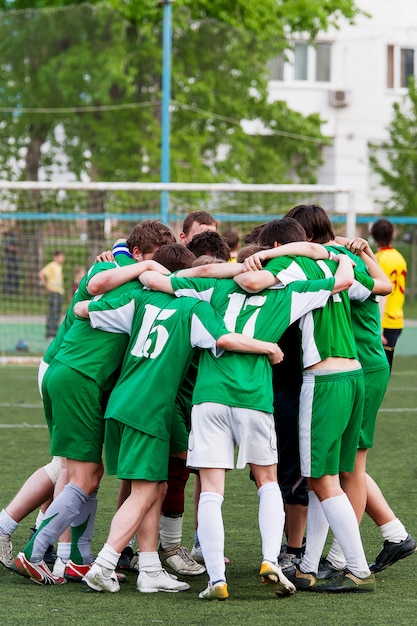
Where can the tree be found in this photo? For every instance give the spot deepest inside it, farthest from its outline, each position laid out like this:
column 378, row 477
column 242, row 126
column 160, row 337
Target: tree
column 395, row 160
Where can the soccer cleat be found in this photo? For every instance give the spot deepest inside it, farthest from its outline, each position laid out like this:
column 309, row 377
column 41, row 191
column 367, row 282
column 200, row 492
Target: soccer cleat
column 393, row 552
column 37, row 572
column 50, row 555
column 181, row 562
column 287, row 562
column 76, row 572
column 125, row 559
column 6, row 557
column 146, row 583
column 98, row 581
column 327, row 570
column 271, row 574
column 215, row 592
column 346, row 583
column 59, row 567
column 197, row 554
column 303, row 581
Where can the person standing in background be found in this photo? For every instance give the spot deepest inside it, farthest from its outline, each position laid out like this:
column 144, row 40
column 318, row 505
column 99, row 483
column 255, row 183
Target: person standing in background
column 11, row 254
column 52, row 279
column 394, row 266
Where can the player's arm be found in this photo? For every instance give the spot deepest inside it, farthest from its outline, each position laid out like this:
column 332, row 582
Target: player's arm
column 313, row 251
column 252, row 282
column 109, row 279
column 360, row 247
column 241, row 343
column 81, row 309
column 156, row 281
column 212, row 270
column 344, row 276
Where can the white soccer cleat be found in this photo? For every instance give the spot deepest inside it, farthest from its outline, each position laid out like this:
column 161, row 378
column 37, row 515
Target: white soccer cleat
column 197, row 554
column 271, row 574
column 180, row 561
column 98, row 581
column 146, row 583
column 6, row 550
column 215, row 592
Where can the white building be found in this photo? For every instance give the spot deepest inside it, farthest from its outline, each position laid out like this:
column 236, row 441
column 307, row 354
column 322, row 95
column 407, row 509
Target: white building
column 352, row 77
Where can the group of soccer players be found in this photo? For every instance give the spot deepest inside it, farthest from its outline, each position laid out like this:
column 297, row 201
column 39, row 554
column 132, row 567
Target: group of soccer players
column 205, row 337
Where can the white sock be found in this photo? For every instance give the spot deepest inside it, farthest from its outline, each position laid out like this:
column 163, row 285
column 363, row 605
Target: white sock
column 271, row 520
column 343, row 522
column 150, row 563
column 393, row 531
column 7, row 523
column 335, row 555
column 316, row 535
column 63, row 550
column 211, row 534
column 170, row 532
column 107, row 558
column 39, row 519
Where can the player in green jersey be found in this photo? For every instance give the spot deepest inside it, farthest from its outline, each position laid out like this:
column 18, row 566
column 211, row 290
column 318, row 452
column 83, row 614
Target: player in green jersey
column 232, row 403
column 331, row 367
column 163, row 332
column 90, row 364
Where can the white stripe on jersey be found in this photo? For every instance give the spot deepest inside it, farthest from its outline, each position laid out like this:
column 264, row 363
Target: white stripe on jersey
column 304, row 302
column 358, row 291
column 201, row 338
column 190, row 292
column 291, row 273
column 114, row 320
column 310, row 352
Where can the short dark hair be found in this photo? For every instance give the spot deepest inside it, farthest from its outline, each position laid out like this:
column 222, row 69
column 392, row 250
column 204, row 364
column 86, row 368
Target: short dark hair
column 232, row 238
column 174, row 256
column 211, row 243
column 253, row 235
column 383, row 232
column 201, row 217
column 148, row 235
column 281, row 231
column 315, row 221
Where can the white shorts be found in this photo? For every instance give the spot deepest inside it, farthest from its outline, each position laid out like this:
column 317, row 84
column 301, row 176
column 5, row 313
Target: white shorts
column 216, row 428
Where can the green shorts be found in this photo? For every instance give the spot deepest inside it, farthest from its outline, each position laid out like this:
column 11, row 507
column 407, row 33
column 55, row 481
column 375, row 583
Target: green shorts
column 179, row 431
column 376, row 383
column 74, row 413
column 133, row 455
column 331, row 410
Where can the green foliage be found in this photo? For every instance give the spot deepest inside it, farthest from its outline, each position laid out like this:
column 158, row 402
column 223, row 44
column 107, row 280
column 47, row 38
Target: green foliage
column 81, row 87
column 400, row 173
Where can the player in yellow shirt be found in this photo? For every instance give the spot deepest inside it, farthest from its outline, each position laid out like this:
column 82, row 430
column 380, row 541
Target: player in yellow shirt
column 394, row 266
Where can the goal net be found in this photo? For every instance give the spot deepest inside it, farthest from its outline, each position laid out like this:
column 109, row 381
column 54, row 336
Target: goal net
column 83, row 219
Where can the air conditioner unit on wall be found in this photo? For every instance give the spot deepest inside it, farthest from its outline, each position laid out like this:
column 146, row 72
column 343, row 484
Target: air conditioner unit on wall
column 340, row 98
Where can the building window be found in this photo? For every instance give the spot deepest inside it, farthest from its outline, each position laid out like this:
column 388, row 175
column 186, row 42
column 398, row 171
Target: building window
column 306, row 63
column 300, row 61
column 400, row 66
column 407, row 65
column 276, row 68
column 323, row 62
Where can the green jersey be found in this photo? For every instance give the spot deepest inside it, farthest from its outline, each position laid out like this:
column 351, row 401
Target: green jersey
column 245, row 380
column 325, row 332
column 366, row 320
column 92, row 352
column 163, row 334
column 122, row 257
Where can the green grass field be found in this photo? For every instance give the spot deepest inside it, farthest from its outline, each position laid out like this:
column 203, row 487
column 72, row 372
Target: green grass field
column 393, row 463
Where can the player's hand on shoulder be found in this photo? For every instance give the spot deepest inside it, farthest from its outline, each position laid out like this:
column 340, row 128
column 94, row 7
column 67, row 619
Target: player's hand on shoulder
column 356, row 245
column 253, row 262
column 105, row 257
